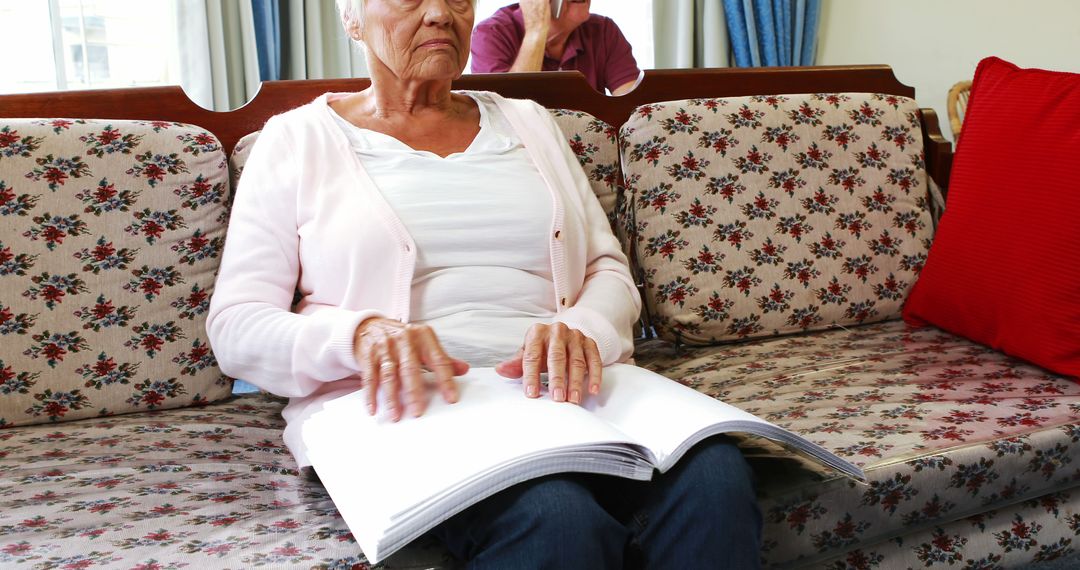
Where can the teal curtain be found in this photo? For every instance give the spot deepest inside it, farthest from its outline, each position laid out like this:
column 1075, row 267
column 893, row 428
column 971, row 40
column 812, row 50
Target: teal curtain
column 303, row 39
column 773, row 32
column 267, row 16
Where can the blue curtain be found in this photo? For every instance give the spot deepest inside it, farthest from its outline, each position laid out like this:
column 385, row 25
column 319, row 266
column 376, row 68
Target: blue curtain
column 268, row 38
column 772, row 32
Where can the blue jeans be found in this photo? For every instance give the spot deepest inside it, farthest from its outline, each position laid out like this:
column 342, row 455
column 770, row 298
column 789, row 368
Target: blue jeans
column 702, row 513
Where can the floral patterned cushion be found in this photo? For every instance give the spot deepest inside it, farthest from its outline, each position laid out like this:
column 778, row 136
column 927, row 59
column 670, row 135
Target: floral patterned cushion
column 967, row 453
column 239, row 156
column 109, row 239
column 594, row 142
column 943, row 427
column 1042, row 530
column 765, row 215
column 210, row 487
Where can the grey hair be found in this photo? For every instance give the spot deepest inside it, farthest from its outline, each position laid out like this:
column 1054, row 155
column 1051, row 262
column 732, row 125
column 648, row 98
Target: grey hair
column 350, row 11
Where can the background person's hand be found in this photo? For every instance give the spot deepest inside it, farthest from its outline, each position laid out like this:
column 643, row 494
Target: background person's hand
column 393, row 357
column 568, row 356
column 537, row 16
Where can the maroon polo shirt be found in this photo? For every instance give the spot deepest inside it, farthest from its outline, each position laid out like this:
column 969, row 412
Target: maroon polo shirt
column 597, row 49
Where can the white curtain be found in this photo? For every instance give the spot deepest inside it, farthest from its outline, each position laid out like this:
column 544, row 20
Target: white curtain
column 219, row 62
column 314, row 42
column 690, row 33
column 219, row 66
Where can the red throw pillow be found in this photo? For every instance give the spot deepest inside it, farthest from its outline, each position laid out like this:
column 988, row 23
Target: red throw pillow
column 1004, row 268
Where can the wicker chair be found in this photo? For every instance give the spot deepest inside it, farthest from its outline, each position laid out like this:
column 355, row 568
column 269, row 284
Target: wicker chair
column 957, row 105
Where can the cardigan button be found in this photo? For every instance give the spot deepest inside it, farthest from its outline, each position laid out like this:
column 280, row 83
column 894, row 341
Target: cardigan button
column 558, row 234
column 562, row 301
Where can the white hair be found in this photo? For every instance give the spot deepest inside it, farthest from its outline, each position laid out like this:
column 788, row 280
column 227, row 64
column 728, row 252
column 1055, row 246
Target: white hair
column 350, row 10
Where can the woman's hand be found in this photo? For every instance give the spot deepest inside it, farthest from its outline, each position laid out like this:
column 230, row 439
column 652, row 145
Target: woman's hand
column 392, row 358
column 568, row 357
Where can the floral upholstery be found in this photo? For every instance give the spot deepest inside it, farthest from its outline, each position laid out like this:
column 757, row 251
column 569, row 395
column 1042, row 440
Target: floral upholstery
column 110, row 233
column 1038, row 530
column 210, row 487
column 765, row 215
column 944, row 429
column 972, row 457
column 239, row 156
column 594, row 142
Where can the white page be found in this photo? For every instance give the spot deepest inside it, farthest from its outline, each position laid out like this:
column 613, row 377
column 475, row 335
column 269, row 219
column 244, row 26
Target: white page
column 407, row 529
column 494, row 436
column 658, row 412
column 492, row 424
column 667, row 417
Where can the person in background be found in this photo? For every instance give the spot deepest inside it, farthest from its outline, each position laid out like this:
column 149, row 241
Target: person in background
column 431, row 229
column 527, row 37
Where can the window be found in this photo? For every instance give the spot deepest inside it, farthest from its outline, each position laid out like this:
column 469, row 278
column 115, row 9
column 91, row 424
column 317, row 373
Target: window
column 28, row 64
column 89, row 44
column 634, row 18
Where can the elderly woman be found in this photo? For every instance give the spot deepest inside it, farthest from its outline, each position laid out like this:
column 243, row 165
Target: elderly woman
column 427, row 229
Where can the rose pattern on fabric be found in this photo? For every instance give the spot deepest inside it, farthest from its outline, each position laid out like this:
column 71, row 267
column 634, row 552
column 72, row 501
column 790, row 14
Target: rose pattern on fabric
column 212, row 487
column 98, row 218
column 943, row 427
column 218, row 480
column 970, row 455
column 764, row 215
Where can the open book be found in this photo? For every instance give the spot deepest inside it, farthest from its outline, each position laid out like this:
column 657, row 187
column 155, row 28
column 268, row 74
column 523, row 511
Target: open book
column 392, row 482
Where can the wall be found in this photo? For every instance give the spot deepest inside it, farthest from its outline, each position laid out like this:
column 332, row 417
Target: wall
column 932, row 44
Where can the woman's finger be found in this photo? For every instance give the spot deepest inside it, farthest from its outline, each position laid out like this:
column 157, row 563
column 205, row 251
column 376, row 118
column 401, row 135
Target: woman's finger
column 578, row 366
column 413, row 386
column 511, row 368
column 596, row 366
column 436, row 360
column 389, row 381
column 558, row 335
column 532, row 359
column 369, row 373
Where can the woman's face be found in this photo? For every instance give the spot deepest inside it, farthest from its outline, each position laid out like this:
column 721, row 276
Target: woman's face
column 419, row 39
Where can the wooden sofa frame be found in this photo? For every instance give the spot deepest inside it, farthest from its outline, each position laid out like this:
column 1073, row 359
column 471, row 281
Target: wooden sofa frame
column 566, row 90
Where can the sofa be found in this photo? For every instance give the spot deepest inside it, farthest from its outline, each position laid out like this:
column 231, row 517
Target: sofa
column 775, row 218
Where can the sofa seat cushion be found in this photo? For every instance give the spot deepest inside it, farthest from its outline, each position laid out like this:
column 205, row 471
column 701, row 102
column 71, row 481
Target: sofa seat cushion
column 943, row 427
column 765, row 215
column 208, row 487
column 220, row 484
column 110, row 235
column 1042, row 530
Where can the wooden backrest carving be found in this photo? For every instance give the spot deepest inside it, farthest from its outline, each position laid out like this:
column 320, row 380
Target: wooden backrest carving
column 555, row 90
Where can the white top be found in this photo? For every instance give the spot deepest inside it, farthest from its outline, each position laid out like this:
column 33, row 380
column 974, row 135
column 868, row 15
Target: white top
column 480, row 220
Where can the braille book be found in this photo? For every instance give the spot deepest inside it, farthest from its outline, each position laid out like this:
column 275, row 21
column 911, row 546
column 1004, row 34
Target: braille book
column 394, row 481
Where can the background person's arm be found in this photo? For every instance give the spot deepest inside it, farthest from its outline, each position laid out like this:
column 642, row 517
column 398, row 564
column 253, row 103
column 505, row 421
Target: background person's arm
column 625, row 88
column 621, row 72
column 497, row 48
column 537, row 15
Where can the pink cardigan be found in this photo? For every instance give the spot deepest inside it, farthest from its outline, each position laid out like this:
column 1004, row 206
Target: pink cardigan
column 307, row 216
